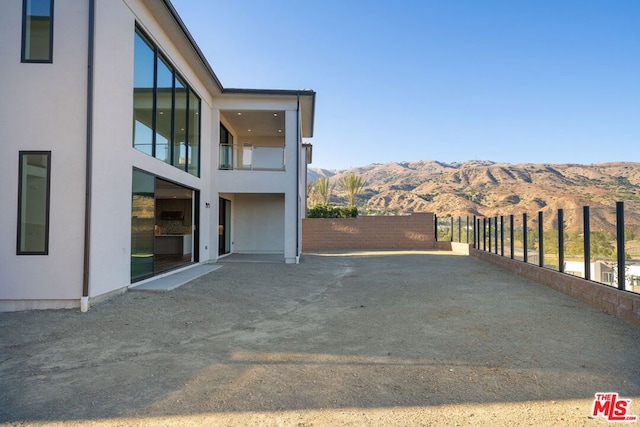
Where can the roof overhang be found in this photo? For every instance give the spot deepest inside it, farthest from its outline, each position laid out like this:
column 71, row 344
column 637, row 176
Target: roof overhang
column 306, row 99
column 168, row 18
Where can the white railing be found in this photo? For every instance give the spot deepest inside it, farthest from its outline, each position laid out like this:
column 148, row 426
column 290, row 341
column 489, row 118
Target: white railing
column 251, row 157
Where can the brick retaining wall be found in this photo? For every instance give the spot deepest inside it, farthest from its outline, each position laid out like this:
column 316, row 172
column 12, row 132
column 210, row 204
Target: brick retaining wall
column 414, row 231
column 625, row 305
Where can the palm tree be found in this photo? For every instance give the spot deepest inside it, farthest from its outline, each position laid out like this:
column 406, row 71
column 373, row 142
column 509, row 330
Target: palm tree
column 312, row 194
column 352, row 185
column 324, row 189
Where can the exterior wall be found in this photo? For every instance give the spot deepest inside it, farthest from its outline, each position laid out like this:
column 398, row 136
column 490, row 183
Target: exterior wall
column 114, row 156
column 245, row 184
column 292, row 217
column 258, row 224
column 625, row 305
column 50, row 113
column 43, row 108
column 415, row 231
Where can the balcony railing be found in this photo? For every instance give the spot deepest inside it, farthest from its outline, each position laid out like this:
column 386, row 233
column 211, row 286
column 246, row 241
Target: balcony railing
column 251, row 157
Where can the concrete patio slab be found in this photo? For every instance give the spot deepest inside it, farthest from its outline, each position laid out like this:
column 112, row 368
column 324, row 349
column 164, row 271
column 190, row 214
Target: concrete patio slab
column 268, row 258
column 173, row 280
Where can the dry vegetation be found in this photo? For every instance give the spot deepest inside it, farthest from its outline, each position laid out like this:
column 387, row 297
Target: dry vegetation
column 486, row 188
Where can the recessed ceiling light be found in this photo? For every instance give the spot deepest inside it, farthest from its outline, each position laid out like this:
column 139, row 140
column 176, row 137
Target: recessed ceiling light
column 239, row 114
column 279, row 130
column 249, row 130
column 275, row 114
column 161, row 112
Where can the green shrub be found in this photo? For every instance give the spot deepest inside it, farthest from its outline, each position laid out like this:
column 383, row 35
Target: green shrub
column 325, row 211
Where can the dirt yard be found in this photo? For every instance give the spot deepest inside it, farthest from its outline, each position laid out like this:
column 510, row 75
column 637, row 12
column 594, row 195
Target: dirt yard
column 351, row 339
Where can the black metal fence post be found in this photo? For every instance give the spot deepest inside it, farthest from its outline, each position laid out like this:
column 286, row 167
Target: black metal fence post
column 586, row 231
column 435, row 221
column 460, row 229
column 451, row 230
column 620, row 243
column 484, row 234
column 511, row 244
column 540, row 240
column 495, row 234
column 475, row 233
column 501, row 235
column 525, row 257
column 561, row 240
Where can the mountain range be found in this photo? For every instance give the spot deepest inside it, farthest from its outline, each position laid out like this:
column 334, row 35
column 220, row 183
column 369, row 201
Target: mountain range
column 486, row 188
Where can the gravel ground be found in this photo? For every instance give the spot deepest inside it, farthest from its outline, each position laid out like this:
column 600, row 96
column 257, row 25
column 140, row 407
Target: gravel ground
column 421, row 338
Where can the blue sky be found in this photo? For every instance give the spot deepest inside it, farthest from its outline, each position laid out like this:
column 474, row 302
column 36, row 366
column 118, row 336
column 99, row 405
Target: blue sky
column 542, row 81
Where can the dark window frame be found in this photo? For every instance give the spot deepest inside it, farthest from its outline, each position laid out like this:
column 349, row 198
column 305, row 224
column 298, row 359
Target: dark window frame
column 21, row 156
column 23, row 57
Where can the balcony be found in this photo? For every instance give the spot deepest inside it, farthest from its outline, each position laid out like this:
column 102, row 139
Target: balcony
column 251, row 157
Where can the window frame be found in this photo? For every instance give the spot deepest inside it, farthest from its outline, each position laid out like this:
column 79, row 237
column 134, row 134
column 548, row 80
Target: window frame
column 159, row 55
column 23, row 56
column 21, row 156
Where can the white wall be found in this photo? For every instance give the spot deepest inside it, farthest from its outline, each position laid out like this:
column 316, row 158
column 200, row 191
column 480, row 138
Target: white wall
column 48, row 112
column 258, row 223
column 42, row 107
column 293, row 222
column 114, row 156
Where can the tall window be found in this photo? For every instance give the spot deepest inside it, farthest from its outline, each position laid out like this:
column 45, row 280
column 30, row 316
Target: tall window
column 37, row 30
column 33, row 202
column 166, row 111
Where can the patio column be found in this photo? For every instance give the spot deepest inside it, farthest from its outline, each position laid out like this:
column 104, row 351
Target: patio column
column 291, row 211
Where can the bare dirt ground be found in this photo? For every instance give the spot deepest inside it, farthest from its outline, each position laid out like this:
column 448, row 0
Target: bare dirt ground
column 352, row 339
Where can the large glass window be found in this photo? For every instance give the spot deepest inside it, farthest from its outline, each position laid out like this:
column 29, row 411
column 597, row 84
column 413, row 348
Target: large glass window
column 180, row 125
column 166, row 110
column 37, row 30
column 143, row 84
column 164, row 105
column 33, row 203
column 193, row 153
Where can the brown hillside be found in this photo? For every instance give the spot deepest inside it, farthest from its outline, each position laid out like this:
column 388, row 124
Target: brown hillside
column 486, row 188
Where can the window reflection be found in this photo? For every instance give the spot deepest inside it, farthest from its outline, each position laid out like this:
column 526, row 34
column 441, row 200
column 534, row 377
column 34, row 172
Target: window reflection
column 37, row 39
column 166, row 110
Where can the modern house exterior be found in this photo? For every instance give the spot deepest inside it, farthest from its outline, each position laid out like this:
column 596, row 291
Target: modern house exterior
column 123, row 157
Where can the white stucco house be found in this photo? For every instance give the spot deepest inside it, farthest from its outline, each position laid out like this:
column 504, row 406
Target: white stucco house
column 123, row 157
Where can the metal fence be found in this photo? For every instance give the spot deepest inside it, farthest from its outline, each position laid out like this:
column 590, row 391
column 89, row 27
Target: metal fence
column 581, row 242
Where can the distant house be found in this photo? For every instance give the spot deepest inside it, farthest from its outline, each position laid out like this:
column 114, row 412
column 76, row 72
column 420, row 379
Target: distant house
column 124, row 157
column 602, row 272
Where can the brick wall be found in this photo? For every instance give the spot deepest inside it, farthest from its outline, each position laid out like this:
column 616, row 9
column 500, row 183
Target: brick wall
column 414, row 231
column 625, row 305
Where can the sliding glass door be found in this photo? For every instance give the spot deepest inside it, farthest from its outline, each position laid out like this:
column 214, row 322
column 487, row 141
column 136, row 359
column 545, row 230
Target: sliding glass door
column 164, row 216
column 143, row 208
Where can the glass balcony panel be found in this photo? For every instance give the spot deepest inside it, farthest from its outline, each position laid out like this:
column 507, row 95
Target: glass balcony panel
column 507, row 236
column 444, row 229
column 573, row 242
column 518, row 240
column 251, row 157
column 632, row 254
column 533, row 252
column 602, row 220
column 550, row 240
